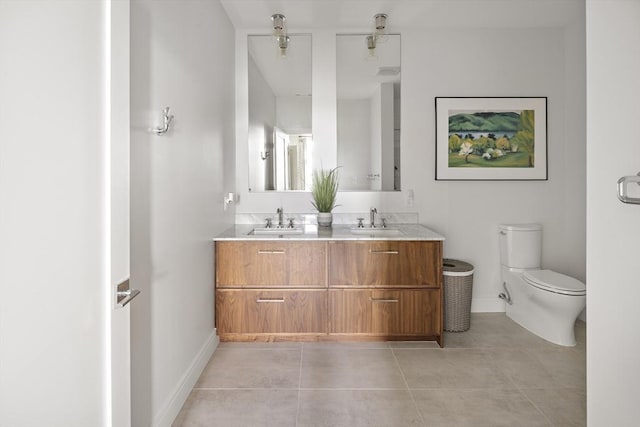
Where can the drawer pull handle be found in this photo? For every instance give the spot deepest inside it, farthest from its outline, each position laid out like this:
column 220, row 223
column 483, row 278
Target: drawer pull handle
column 269, row 299
column 270, row 252
column 382, row 299
column 384, row 252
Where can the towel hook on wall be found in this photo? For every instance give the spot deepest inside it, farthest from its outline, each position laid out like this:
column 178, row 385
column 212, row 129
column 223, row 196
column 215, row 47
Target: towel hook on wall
column 167, row 118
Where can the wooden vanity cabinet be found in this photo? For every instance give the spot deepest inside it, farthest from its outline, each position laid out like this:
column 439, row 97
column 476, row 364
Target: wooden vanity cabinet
column 385, row 263
column 248, row 311
column 271, row 289
column 335, row 290
column 269, row 263
column 388, row 289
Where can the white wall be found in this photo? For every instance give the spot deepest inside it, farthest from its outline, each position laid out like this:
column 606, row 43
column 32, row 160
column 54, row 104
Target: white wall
column 516, row 62
column 179, row 58
column 469, row 62
column 54, row 276
column 613, row 336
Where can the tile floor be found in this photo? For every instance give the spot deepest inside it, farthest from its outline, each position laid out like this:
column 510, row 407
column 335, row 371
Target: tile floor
column 495, row 374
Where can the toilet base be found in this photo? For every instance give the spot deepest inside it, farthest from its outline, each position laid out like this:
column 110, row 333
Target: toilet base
column 549, row 315
column 561, row 335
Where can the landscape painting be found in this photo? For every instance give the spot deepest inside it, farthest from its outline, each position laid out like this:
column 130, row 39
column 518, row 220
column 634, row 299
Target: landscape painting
column 491, row 138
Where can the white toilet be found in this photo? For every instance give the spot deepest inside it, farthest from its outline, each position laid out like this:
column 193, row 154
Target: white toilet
column 543, row 301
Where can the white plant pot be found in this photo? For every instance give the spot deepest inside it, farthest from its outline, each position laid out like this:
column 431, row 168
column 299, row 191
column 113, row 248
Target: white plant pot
column 325, row 219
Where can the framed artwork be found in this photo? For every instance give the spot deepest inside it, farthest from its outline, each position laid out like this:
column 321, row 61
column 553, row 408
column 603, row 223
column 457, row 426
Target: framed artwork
column 491, row 138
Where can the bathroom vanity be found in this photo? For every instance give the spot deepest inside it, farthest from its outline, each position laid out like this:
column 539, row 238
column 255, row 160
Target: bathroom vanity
column 336, row 284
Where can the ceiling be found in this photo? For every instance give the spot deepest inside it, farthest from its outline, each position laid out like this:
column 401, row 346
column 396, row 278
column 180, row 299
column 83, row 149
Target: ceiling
column 357, row 15
column 291, row 76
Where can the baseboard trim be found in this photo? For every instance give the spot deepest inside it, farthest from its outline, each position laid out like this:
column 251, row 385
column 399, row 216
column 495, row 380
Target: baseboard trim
column 170, row 410
column 487, row 305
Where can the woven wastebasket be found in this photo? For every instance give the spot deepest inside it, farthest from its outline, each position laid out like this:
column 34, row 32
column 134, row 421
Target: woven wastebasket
column 458, row 284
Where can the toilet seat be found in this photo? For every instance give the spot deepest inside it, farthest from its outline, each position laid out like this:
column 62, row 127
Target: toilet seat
column 550, row 281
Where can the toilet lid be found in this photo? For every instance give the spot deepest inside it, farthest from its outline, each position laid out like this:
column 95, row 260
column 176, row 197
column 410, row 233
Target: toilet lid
column 549, row 280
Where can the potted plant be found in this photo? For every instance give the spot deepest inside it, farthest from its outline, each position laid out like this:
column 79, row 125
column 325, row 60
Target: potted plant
column 324, row 190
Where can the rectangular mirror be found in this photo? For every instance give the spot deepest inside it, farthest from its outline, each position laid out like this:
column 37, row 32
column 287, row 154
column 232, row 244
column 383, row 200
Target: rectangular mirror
column 368, row 92
column 279, row 113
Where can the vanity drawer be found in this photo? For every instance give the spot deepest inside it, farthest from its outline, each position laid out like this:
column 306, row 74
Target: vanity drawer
column 383, row 263
column 270, row 263
column 240, row 311
column 385, row 312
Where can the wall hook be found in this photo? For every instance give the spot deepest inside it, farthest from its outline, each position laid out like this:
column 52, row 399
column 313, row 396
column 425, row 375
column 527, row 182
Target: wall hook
column 166, row 122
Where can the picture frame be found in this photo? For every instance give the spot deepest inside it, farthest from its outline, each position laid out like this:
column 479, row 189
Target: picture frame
column 491, row 138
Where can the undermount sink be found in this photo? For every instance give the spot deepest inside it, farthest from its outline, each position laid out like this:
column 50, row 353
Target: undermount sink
column 376, row 231
column 277, row 230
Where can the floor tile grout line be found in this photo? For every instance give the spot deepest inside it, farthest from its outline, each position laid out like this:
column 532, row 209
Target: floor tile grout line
column 242, row 388
column 476, row 388
column 299, row 385
column 353, row 389
column 259, row 349
column 306, row 388
column 517, row 388
column 508, row 376
column 520, row 390
column 406, row 383
column 551, row 424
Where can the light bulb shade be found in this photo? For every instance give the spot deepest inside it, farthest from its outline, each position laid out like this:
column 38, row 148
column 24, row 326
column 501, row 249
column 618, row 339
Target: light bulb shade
column 380, row 23
column 283, row 44
column 371, row 44
column 278, row 24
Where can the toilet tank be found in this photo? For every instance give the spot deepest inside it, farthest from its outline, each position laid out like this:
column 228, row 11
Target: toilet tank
column 520, row 245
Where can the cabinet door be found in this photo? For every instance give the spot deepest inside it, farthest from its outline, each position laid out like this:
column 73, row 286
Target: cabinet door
column 385, row 312
column 350, row 311
column 385, row 264
column 269, row 263
column 271, row 311
column 418, row 312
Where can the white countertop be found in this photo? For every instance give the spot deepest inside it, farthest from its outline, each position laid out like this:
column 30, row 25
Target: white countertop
column 337, row 232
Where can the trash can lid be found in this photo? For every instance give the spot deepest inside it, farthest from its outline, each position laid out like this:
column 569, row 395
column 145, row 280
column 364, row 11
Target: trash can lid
column 455, row 267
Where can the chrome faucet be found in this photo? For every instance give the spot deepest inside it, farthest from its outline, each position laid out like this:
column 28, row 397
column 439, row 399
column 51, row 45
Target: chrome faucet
column 280, row 212
column 372, row 217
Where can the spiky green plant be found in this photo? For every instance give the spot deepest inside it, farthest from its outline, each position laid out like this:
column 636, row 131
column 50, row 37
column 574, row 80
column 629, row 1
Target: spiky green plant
column 324, row 189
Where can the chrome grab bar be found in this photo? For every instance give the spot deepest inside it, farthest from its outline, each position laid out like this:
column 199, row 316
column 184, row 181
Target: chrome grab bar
column 269, row 252
column 623, row 184
column 384, row 252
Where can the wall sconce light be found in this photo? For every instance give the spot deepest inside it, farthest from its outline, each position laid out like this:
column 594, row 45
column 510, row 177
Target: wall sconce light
column 378, row 35
column 283, row 44
column 279, row 21
column 380, row 21
column 280, row 33
column 371, row 46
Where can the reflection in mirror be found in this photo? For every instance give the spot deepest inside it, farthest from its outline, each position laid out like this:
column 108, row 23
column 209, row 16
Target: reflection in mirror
column 368, row 91
column 279, row 114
